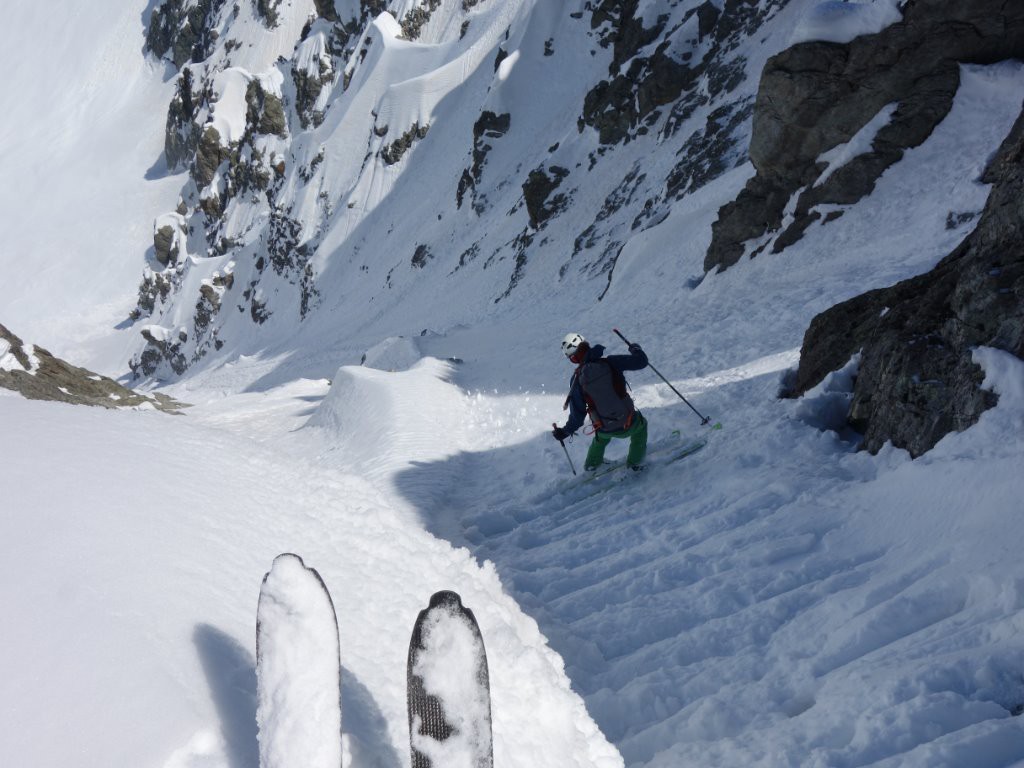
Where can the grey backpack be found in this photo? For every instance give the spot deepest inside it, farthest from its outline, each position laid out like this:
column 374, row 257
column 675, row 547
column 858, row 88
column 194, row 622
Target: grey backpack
column 610, row 407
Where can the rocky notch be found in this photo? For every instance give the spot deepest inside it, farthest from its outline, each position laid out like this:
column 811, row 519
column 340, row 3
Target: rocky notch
column 917, row 380
column 816, row 96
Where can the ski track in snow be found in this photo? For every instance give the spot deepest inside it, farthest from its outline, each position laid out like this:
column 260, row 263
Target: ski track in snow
column 729, row 604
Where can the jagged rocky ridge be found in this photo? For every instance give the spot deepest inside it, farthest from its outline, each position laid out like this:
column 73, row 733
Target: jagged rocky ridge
column 917, row 380
column 36, row 374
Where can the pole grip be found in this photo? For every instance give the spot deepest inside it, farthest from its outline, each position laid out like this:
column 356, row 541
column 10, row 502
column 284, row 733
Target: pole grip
column 619, row 334
column 572, row 466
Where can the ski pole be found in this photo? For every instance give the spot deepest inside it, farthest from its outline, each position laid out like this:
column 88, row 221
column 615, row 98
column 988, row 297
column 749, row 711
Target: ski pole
column 571, row 465
column 703, row 419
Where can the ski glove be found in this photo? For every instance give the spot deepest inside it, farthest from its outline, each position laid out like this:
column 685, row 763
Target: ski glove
column 634, row 348
column 560, row 434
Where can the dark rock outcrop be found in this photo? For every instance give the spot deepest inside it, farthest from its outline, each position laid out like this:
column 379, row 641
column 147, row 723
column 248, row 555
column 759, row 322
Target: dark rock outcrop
column 816, row 96
column 183, row 31
column 167, row 244
column 537, row 194
column 181, row 135
column 699, row 51
column 38, row 375
column 489, row 126
column 393, row 152
column 326, row 10
column 414, row 20
column 209, row 155
column 160, row 349
column 421, row 256
column 308, row 87
column 267, row 9
column 265, row 113
column 917, row 380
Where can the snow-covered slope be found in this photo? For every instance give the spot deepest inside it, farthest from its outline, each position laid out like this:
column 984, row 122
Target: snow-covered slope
column 777, row 599
column 133, row 567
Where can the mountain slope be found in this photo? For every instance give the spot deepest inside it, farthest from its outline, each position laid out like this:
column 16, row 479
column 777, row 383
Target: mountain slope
column 373, row 387
column 469, row 159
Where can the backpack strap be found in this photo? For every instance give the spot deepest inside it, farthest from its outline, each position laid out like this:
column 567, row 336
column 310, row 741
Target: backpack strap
column 618, row 380
column 592, row 412
column 573, row 382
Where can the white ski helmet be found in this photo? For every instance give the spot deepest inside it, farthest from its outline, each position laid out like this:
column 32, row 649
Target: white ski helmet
column 571, row 343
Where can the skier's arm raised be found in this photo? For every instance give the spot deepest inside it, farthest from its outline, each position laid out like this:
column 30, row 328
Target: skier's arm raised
column 634, row 361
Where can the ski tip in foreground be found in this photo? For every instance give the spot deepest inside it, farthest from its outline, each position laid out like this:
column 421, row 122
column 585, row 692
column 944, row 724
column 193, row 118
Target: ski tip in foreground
column 446, row 598
column 448, row 688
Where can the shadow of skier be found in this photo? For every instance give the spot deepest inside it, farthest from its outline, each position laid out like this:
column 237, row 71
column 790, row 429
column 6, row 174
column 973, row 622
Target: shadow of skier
column 364, row 724
column 231, row 674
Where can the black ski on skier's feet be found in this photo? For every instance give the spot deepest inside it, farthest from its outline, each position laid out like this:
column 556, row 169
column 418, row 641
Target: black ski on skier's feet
column 449, row 695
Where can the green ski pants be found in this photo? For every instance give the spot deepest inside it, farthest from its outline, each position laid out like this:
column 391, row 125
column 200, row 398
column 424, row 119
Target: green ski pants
column 637, row 434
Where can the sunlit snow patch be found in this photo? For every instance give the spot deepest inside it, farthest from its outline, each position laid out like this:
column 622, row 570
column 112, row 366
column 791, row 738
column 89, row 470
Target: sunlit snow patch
column 861, row 143
column 10, row 362
column 395, row 353
column 841, row 22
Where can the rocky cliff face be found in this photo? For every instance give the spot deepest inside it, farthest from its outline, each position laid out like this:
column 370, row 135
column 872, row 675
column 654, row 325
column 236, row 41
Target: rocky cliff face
column 917, row 380
column 522, row 138
column 816, row 96
column 231, row 125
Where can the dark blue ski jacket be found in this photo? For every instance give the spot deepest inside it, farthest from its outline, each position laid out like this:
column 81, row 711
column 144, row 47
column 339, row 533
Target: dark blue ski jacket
column 634, row 361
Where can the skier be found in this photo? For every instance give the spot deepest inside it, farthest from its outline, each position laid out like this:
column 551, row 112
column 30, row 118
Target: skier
column 598, row 388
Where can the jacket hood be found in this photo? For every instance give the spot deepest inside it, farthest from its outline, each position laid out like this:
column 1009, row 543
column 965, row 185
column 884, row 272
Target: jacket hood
column 596, row 352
